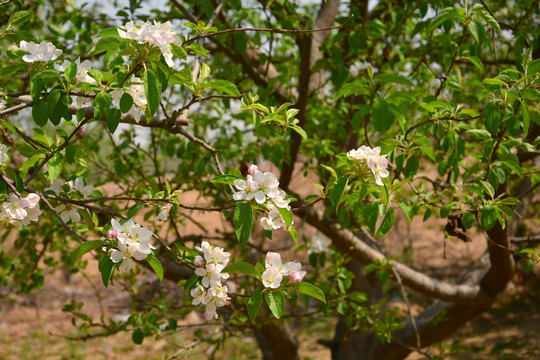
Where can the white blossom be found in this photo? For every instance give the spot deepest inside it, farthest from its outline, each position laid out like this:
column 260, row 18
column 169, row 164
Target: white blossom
column 317, row 245
column 373, row 159
column 272, row 278
column 276, row 271
column 159, row 35
column 163, row 212
column 20, row 211
column 136, row 91
column 44, row 51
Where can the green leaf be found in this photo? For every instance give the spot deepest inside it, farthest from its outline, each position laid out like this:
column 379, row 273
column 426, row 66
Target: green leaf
column 225, row 179
column 137, row 336
column 39, row 113
column 113, row 120
column 488, row 216
column 19, row 18
column 300, row 131
column 478, row 31
column 151, row 88
column 107, row 43
column 242, row 268
column 155, row 264
column 276, row 303
column 387, row 222
column 526, row 118
column 412, row 166
column 476, row 62
column 394, row 78
column 294, row 235
column 54, row 166
column 105, row 267
column 287, row 216
column 32, row 161
column 381, row 116
column 446, row 209
column 337, row 191
column 84, row 248
column 491, row 117
column 225, row 87
column 311, row 290
column 178, row 51
column 126, row 102
column 467, row 219
column 510, row 201
column 243, row 222
column 112, row 31
column 406, row 210
column 134, row 209
column 533, row 67
column 71, row 71
column 371, row 214
column 19, row 184
column 254, row 304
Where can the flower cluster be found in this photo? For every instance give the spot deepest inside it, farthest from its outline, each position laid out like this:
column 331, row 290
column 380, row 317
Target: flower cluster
column 69, row 211
column 136, row 90
column 318, row 245
column 3, row 151
column 373, row 159
column 44, row 51
column 20, row 211
column 159, row 35
column 133, row 243
column 264, row 188
column 276, row 271
column 211, row 293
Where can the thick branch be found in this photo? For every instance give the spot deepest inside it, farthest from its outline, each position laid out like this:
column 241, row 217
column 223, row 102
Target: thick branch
column 415, row 280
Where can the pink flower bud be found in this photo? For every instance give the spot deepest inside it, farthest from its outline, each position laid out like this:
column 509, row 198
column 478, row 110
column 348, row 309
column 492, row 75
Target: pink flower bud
column 81, row 132
column 111, row 234
column 198, row 261
column 297, row 276
column 166, row 205
column 252, row 169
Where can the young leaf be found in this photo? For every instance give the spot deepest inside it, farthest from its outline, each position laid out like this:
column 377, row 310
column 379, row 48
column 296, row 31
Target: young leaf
column 19, row 18
column 371, row 214
column 225, row 87
column 381, row 116
column 126, row 102
column 276, row 303
column 105, row 267
column 488, row 216
column 387, row 222
column 84, row 248
column 242, row 268
column 134, row 209
column 254, row 304
column 113, row 120
column 243, row 222
column 311, row 290
column 156, row 266
column 412, row 166
column 337, row 191
column 54, row 168
column 107, row 43
column 151, row 88
column 287, row 216
column 39, row 113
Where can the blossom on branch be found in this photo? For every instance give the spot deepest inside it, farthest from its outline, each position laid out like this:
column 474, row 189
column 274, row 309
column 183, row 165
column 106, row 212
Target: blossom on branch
column 276, row 271
column 133, row 243
column 211, row 293
column 20, row 211
column 44, row 51
column 372, row 159
column 158, row 35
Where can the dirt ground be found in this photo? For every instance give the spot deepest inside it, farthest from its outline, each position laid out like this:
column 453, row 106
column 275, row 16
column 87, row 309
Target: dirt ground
column 34, row 327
